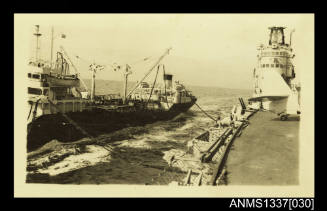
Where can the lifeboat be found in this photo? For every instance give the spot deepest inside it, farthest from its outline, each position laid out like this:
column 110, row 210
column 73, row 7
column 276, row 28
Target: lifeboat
column 63, row 81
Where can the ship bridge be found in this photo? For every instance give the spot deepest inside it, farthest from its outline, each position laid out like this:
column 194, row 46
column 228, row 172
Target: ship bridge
column 277, row 36
column 276, row 56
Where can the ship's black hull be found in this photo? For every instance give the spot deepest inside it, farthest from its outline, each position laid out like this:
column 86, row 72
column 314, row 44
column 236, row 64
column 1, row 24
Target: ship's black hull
column 95, row 122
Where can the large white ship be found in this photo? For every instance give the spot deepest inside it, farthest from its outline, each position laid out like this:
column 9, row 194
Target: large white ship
column 274, row 86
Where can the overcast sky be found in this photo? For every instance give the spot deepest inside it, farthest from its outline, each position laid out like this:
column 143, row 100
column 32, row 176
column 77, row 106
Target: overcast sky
column 207, row 49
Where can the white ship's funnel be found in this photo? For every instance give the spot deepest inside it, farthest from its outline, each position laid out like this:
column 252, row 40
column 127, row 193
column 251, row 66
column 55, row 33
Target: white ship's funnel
column 168, row 79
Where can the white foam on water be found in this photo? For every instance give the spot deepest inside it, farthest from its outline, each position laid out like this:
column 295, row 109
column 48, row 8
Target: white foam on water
column 94, row 155
column 169, row 137
column 187, row 126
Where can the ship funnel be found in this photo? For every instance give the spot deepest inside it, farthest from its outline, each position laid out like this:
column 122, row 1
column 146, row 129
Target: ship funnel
column 168, row 79
column 277, row 35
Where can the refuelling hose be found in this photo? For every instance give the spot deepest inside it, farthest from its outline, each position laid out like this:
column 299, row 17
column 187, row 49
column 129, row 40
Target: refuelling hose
column 206, row 113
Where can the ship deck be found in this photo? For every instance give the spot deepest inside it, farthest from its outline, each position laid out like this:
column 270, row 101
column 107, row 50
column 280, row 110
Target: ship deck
column 266, row 153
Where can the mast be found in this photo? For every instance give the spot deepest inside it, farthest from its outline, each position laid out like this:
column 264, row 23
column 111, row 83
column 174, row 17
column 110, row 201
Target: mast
column 126, row 73
column 94, row 68
column 37, row 34
column 93, row 85
column 146, row 75
column 51, row 46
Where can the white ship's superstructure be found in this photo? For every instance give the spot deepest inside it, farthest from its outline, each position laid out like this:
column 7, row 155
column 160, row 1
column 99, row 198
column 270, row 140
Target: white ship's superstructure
column 273, row 77
column 163, row 96
column 51, row 87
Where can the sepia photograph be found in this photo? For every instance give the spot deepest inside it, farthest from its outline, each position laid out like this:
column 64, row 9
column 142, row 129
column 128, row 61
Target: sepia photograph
column 182, row 105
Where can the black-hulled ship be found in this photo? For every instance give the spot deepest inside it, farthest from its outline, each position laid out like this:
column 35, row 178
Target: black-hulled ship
column 59, row 109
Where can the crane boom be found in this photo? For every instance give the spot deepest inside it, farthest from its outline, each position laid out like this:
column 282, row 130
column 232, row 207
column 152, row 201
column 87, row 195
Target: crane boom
column 76, row 71
column 146, row 75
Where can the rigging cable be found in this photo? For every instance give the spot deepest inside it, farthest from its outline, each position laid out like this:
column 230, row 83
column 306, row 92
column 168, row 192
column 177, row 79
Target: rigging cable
column 149, row 58
column 206, row 113
column 146, row 59
column 154, row 83
column 29, row 114
column 35, row 109
column 146, row 75
column 76, row 71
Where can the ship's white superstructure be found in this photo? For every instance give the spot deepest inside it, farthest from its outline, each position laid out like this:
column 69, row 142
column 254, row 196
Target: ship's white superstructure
column 51, row 88
column 274, row 87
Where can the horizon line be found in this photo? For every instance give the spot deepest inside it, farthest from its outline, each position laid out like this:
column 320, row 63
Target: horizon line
column 186, row 84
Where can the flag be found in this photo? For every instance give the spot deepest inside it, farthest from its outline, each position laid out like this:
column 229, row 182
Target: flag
column 63, row 36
